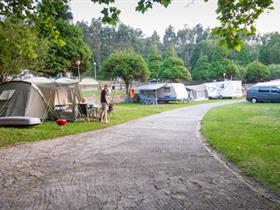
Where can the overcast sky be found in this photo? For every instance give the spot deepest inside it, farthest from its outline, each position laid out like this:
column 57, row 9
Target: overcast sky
column 178, row 14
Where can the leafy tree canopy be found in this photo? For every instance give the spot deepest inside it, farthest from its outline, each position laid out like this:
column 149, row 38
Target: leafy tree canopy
column 274, row 71
column 269, row 50
column 223, row 67
column 127, row 65
column 154, row 61
column 21, row 48
column 237, row 17
column 62, row 58
column 172, row 68
column 201, row 69
column 256, row 72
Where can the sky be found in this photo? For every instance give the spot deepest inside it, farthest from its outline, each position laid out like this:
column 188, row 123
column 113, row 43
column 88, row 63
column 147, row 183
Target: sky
column 178, row 14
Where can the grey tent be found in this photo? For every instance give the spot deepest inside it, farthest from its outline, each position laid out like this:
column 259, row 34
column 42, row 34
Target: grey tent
column 20, row 98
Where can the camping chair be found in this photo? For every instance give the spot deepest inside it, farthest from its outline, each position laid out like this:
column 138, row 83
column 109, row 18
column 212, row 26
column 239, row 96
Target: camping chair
column 83, row 109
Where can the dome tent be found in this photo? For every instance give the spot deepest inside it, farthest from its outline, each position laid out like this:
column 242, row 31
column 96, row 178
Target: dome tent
column 21, row 98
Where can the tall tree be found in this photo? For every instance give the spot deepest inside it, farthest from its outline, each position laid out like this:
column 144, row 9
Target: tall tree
column 256, row 72
column 154, row 61
column 169, row 36
column 62, row 58
column 21, row 48
column 269, row 50
column 127, row 65
column 201, row 68
column 172, row 68
column 236, row 17
column 274, row 71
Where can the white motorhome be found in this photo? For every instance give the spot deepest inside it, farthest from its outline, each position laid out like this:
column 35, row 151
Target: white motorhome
column 163, row 92
column 224, row 89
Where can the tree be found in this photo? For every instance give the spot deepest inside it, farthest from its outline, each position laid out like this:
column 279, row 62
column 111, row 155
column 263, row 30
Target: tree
column 187, row 38
column 274, row 71
column 237, row 18
column 21, row 48
column 172, row 68
column 62, row 58
column 201, row 68
column 169, row 36
column 256, row 72
column 154, row 61
column 269, row 50
column 127, row 65
column 246, row 55
column 221, row 67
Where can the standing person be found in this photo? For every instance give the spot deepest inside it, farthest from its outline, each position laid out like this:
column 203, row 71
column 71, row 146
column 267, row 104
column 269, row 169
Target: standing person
column 105, row 104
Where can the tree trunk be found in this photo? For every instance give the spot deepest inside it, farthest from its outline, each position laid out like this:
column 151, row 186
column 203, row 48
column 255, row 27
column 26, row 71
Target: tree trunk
column 127, row 83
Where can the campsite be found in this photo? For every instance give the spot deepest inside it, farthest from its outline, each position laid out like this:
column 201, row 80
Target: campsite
column 141, row 104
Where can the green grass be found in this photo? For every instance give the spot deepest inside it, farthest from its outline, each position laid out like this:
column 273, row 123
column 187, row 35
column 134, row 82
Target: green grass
column 122, row 113
column 249, row 135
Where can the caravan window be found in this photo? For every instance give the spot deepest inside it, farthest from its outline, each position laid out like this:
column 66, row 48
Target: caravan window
column 167, row 89
column 7, row 94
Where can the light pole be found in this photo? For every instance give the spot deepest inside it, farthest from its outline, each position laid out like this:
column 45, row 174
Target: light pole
column 94, row 65
column 224, row 76
column 78, row 62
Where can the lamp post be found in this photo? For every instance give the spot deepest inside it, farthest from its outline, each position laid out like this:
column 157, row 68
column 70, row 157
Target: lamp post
column 224, row 76
column 94, row 65
column 78, row 62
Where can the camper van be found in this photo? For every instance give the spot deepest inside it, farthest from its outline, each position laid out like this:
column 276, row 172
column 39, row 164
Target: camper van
column 224, row 89
column 163, row 92
column 264, row 92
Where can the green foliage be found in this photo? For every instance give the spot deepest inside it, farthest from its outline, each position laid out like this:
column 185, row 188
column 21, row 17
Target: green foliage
column 269, row 50
column 237, row 18
column 246, row 55
column 173, row 69
column 169, row 36
column 62, row 58
column 274, row 71
column 126, row 65
column 154, row 61
column 221, row 66
column 256, row 72
column 211, row 48
column 20, row 48
column 201, row 69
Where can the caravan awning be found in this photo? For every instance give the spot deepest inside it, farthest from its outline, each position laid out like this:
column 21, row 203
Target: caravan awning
column 151, row 87
column 196, row 87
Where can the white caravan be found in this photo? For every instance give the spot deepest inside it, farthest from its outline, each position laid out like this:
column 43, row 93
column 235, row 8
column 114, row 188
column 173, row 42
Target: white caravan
column 224, row 89
column 163, row 92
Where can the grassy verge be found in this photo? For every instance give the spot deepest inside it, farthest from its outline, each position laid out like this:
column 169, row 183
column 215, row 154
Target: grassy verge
column 249, row 135
column 122, row 113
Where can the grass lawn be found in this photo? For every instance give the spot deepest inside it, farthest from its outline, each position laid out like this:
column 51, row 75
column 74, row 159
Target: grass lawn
column 47, row 130
column 249, row 135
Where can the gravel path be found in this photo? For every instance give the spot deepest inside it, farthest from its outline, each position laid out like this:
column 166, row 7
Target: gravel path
column 157, row 162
